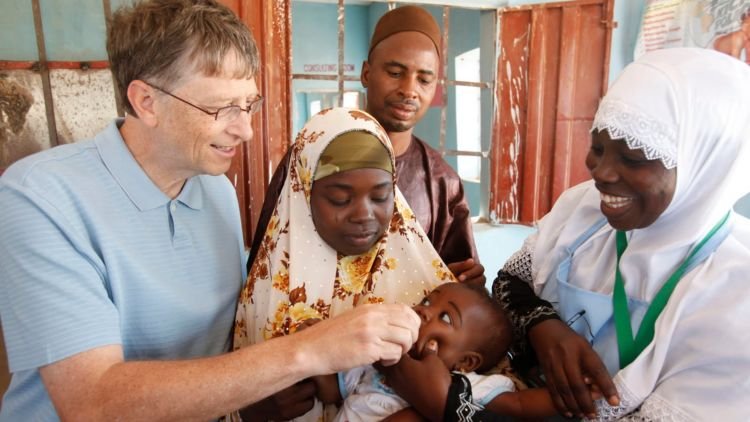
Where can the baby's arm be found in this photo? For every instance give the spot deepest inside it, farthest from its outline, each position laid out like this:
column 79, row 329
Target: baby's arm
column 327, row 387
column 532, row 403
column 421, row 383
column 407, row 414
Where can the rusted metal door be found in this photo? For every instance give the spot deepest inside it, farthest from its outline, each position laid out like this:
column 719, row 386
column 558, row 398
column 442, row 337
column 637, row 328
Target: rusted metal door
column 552, row 69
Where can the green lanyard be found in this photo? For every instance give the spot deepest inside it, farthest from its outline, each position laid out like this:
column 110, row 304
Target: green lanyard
column 628, row 346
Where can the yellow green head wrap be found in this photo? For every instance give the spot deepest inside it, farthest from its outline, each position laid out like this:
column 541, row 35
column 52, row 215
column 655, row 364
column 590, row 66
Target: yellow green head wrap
column 353, row 150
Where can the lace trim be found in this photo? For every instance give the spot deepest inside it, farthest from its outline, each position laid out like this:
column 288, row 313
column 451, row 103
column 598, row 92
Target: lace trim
column 639, row 130
column 653, row 409
column 519, row 264
column 501, row 291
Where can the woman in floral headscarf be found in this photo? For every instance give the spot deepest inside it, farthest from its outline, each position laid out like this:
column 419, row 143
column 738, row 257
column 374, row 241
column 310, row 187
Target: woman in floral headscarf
column 336, row 239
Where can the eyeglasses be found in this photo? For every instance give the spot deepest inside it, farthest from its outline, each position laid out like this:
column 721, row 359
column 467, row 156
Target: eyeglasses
column 225, row 114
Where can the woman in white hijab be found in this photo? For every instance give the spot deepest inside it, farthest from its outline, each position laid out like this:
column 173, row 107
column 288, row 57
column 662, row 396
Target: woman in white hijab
column 638, row 281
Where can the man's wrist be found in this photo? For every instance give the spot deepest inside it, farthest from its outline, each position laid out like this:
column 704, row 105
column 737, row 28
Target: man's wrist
column 302, row 356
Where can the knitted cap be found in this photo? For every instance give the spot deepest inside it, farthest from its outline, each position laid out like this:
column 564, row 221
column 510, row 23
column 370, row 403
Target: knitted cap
column 406, row 18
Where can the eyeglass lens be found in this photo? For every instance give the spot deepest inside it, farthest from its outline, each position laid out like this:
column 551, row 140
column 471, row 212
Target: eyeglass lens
column 233, row 111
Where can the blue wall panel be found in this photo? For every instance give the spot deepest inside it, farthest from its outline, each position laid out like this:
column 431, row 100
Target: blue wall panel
column 17, row 38
column 74, row 30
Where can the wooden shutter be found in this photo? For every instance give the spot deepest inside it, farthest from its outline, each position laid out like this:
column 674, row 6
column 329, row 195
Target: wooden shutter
column 552, row 70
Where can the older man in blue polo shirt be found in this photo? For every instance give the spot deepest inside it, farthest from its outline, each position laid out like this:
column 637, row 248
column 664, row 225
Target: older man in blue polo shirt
column 122, row 256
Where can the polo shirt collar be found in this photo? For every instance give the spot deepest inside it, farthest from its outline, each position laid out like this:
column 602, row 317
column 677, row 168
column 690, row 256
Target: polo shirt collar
column 136, row 184
column 192, row 193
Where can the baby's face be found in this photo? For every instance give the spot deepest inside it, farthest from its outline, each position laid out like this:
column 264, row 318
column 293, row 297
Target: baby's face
column 453, row 323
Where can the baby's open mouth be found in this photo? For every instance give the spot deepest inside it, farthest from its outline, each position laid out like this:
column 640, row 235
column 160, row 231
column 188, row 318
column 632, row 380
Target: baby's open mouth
column 430, row 347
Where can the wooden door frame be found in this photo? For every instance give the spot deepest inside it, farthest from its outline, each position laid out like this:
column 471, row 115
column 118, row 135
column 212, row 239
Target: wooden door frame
column 270, row 23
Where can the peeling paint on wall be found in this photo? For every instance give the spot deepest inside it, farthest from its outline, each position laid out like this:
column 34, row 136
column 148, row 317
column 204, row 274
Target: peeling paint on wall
column 509, row 207
column 84, row 102
column 23, row 123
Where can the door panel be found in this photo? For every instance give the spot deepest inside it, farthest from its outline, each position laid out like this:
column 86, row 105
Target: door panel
column 552, row 71
column 251, row 170
column 507, row 155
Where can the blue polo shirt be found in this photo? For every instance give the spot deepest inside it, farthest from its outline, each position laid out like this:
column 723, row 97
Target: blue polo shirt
column 92, row 253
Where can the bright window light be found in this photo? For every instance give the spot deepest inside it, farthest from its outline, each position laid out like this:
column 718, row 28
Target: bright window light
column 351, row 99
column 468, row 114
column 315, row 107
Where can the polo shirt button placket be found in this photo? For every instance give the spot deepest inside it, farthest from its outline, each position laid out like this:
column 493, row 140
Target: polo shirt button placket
column 180, row 236
column 173, row 221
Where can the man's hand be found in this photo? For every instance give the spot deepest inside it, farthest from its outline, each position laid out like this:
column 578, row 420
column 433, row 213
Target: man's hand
column 95, row 384
column 360, row 336
column 287, row 404
column 573, row 370
column 468, row 271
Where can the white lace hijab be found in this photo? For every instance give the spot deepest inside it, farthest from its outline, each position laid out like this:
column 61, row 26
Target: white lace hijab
column 689, row 108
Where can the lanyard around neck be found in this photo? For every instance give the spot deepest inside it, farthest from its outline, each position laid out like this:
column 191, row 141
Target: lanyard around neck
column 630, row 347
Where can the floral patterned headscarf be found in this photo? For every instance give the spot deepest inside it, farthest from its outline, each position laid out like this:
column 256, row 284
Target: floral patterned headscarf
column 297, row 276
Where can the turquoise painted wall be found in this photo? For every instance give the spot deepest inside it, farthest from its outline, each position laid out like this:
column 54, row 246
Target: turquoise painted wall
column 315, row 42
column 73, row 30
column 315, row 39
column 17, row 32
column 628, row 17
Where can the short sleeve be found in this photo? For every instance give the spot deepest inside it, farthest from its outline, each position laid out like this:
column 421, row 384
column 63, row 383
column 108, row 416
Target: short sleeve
column 54, row 301
column 460, row 404
column 487, row 387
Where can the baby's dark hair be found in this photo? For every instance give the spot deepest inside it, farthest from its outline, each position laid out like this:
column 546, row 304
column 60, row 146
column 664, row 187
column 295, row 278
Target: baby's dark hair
column 496, row 342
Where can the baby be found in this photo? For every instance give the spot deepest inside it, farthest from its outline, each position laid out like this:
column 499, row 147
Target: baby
column 470, row 333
